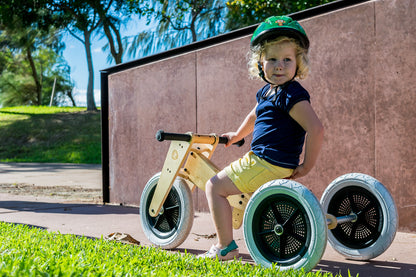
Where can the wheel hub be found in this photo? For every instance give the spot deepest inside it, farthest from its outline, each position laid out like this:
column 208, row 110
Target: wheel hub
column 278, row 229
column 162, row 210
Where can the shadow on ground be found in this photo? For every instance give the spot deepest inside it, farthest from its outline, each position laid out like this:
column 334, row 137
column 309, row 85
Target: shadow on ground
column 67, row 208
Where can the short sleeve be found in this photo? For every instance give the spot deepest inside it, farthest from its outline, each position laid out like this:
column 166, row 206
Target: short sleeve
column 291, row 95
column 261, row 92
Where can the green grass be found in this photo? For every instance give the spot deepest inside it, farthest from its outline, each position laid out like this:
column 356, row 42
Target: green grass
column 50, row 134
column 28, row 251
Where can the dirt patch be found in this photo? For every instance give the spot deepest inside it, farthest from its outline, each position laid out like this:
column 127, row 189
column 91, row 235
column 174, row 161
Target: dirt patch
column 60, row 192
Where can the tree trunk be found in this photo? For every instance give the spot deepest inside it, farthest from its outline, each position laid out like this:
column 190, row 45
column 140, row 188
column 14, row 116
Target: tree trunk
column 35, row 77
column 90, row 87
column 107, row 30
column 71, row 97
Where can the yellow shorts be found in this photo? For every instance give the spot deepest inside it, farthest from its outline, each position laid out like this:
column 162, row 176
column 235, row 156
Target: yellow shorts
column 251, row 172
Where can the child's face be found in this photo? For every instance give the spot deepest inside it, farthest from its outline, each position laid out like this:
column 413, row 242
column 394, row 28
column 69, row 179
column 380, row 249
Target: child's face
column 279, row 62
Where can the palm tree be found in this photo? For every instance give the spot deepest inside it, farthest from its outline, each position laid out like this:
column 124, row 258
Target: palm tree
column 179, row 22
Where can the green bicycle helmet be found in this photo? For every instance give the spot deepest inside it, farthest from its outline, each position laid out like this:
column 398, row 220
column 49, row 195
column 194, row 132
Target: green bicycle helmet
column 276, row 26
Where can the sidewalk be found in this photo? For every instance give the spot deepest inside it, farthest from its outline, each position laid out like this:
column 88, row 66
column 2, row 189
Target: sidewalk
column 69, row 216
column 50, row 174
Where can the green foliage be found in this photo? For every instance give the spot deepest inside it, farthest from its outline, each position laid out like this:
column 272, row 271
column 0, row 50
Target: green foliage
column 243, row 13
column 31, row 60
column 30, row 14
column 50, row 134
column 28, row 251
column 113, row 17
column 180, row 22
column 16, row 89
column 17, row 86
column 82, row 19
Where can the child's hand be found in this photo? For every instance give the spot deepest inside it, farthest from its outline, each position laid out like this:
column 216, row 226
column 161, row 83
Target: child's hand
column 232, row 138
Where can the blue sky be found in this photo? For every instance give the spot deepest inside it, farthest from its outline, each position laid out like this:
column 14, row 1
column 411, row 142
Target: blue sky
column 74, row 54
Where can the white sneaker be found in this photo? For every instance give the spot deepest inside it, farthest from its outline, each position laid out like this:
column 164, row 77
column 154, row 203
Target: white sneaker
column 228, row 253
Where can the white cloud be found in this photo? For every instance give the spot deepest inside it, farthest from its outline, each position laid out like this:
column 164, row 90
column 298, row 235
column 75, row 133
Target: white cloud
column 80, row 97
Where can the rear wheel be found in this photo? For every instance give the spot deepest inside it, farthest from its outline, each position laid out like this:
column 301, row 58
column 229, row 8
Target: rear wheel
column 284, row 224
column 366, row 198
column 172, row 226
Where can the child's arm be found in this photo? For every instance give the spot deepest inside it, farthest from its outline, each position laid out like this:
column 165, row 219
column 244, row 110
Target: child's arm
column 304, row 114
column 244, row 130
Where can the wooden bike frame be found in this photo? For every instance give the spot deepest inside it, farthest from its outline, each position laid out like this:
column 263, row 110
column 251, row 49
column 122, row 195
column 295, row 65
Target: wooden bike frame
column 191, row 160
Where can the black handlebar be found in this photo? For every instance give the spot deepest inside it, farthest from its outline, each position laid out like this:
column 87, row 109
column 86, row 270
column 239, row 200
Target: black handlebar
column 162, row 135
column 224, row 140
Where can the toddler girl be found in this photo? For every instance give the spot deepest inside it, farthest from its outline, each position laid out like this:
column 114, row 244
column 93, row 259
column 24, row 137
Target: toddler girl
column 280, row 120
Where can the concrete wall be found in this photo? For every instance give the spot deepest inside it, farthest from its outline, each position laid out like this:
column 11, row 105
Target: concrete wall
column 362, row 86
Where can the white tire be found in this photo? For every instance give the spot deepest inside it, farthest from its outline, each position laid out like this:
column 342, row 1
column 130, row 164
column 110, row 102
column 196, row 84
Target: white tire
column 172, row 226
column 284, row 224
column 375, row 228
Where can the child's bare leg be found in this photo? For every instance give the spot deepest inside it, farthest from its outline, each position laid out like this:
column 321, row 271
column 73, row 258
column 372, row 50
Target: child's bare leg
column 217, row 190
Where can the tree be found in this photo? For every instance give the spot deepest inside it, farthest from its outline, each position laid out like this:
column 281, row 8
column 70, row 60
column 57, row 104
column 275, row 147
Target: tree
column 55, row 70
column 243, row 13
column 179, row 22
column 30, row 55
column 86, row 18
column 26, row 40
column 83, row 21
column 23, row 72
column 111, row 24
column 33, row 14
column 17, row 86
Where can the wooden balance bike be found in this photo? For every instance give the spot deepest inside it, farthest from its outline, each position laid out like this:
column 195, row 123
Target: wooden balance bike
column 283, row 222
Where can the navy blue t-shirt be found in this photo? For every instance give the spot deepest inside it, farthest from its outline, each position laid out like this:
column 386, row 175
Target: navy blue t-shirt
column 277, row 137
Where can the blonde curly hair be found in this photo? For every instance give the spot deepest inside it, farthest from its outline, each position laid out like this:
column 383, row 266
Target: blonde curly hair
column 256, row 53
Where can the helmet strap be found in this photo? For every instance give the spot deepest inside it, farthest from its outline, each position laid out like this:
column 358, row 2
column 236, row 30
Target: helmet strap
column 261, row 73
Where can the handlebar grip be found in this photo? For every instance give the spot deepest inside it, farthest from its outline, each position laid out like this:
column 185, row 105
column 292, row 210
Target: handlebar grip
column 162, row 135
column 239, row 143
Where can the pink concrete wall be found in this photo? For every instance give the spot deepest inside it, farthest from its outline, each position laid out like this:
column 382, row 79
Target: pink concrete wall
column 361, row 85
column 141, row 101
column 395, row 90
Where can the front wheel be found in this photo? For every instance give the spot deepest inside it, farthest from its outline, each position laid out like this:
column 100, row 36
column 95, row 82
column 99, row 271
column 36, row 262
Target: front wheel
column 172, row 226
column 375, row 227
column 284, row 224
